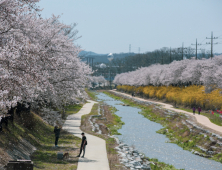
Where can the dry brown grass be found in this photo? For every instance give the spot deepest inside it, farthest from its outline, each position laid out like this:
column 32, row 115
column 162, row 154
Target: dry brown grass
column 187, row 133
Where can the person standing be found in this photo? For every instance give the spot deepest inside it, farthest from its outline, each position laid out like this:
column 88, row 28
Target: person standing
column 83, row 145
column 194, row 110
column 199, row 110
column 57, row 133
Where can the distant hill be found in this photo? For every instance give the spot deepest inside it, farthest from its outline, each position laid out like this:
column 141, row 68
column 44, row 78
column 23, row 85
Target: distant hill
column 88, row 53
column 102, row 58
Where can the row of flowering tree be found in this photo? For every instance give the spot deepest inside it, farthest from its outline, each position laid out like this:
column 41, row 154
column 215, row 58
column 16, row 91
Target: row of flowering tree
column 205, row 72
column 39, row 61
column 97, row 80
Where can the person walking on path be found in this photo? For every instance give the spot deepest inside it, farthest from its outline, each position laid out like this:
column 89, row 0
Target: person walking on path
column 57, row 133
column 199, row 110
column 194, row 110
column 83, row 145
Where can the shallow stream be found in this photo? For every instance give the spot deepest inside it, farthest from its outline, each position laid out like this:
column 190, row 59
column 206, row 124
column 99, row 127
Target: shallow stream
column 141, row 133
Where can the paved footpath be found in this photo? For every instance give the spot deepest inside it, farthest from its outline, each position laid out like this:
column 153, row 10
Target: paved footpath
column 203, row 120
column 96, row 155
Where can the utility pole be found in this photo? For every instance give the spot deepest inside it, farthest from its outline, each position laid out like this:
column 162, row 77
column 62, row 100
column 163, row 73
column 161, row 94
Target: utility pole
column 196, row 47
column 212, row 43
column 89, row 61
column 130, row 48
column 92, row 62
column 182, row 48
column 182, row 51
column 139, row 50
column 170, row 55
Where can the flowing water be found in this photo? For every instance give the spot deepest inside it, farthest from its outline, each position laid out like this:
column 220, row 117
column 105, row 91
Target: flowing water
column 141, row 133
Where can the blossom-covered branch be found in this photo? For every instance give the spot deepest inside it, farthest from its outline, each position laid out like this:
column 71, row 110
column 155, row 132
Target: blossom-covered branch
column 36, row 56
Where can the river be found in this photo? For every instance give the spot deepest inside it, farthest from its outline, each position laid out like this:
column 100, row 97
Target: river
column 141, row 133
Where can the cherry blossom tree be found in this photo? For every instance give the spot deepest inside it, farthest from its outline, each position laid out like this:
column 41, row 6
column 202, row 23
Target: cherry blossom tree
column 38, row 58
column 198, row 72
column 97, row 80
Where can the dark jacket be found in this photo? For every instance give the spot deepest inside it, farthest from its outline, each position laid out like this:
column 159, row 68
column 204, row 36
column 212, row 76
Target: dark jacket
column 57, row 131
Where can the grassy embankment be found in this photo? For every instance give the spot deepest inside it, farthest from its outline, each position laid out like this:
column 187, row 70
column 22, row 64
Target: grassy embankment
column 111, row 124
column 178, row 133
column 112, row 121
column 110, row 142
column 92, row 95
column 213, row 118
column 113, row 127
column 42, row 137
column 71, row 109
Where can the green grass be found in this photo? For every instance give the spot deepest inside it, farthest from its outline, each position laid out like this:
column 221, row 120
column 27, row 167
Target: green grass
column 116, row 122
column 161, row 165
column 91, row 94
column 94, row 111
column 46, row 155
column 72, row 109
column 213, row 118
column 41, row 135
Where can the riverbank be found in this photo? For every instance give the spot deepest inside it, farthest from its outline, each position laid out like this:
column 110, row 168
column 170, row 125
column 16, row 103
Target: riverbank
column 104, row 123
column 96, row 154
column 36, row 142
column 185, row 96
column 179, row 128
column 96, row 123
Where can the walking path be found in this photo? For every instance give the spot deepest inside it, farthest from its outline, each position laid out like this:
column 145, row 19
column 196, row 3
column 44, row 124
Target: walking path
column 203, row 120
column 96, row 155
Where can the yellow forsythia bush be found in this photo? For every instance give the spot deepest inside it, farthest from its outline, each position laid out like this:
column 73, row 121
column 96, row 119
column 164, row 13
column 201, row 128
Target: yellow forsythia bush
column 188, row 96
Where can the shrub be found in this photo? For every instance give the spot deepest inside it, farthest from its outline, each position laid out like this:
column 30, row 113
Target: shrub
column 188, row 96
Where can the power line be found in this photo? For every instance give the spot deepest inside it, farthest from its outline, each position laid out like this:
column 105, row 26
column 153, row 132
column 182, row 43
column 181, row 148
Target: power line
column 182, row 48
column 201, row 43
column 196, row 47
column 170, row 55
column 212, row 38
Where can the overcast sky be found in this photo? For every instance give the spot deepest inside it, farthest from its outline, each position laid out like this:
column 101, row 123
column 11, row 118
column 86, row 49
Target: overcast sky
column 111, row 25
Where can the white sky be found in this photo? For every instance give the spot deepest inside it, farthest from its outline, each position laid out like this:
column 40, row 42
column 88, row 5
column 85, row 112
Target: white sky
column 111, row 25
